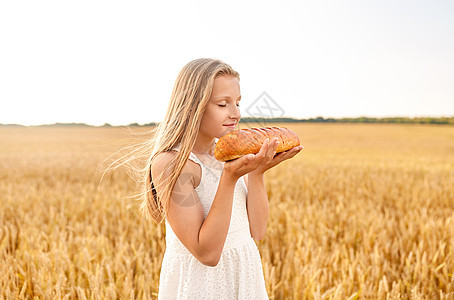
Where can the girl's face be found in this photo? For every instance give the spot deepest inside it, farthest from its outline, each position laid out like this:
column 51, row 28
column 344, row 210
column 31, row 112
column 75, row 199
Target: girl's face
column 222, row 108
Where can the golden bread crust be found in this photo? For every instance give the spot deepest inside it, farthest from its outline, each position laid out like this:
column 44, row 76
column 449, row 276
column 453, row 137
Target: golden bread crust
column 246, row 141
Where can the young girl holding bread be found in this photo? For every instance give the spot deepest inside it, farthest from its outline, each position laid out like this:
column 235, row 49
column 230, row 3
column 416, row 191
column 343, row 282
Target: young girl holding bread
column 213, row 210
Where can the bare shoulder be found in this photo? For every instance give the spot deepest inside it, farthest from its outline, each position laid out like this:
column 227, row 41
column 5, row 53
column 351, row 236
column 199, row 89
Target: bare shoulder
column 160, row 167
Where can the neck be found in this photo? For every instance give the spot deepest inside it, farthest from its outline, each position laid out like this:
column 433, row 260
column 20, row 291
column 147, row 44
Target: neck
column 204, row 145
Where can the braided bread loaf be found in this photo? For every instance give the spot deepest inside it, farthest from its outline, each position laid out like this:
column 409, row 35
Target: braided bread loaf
column 245, row 141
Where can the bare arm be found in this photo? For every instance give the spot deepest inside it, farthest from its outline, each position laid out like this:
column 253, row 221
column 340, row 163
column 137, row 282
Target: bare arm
column 257, row 202
column 204, row 238
column 257, row 205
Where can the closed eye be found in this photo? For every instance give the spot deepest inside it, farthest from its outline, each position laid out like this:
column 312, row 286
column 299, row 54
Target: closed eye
column 226, row 105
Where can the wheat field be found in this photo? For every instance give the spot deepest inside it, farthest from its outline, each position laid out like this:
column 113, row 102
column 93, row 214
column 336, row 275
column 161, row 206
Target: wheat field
column 365, row 211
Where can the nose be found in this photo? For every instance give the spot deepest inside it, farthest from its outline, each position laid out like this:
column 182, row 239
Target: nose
column 235, row 113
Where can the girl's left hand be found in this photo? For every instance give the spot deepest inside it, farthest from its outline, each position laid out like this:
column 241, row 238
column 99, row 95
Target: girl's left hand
column 270, row 158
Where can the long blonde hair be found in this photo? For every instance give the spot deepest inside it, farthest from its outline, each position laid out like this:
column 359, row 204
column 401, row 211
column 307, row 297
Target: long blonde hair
column 181, row 124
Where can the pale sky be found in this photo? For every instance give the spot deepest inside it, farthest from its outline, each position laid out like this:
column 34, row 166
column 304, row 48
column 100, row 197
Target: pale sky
column 116, row 61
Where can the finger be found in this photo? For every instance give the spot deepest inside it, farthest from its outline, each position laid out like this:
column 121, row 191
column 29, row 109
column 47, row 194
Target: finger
column 297, row 149
column 240, row 164
column 272, row 149
column 246, row 159
column 290, row 153
column 243, row 160
column 264, row 148
column 280, row 154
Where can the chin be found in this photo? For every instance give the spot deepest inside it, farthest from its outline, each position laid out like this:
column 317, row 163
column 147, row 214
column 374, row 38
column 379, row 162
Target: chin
column 226, row 131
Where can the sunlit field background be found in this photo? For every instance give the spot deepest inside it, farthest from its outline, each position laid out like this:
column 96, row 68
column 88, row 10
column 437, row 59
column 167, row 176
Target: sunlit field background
column 365, row 211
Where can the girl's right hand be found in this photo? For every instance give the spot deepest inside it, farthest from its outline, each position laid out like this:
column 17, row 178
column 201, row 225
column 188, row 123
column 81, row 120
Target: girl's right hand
column 248, row 163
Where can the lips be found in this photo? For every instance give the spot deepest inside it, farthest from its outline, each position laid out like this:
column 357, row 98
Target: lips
column 230, row 126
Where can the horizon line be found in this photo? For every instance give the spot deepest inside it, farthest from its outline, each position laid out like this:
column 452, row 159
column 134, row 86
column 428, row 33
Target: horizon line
column 317, row 119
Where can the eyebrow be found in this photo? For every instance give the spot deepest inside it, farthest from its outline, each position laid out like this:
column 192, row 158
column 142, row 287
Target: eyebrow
column 226, row 97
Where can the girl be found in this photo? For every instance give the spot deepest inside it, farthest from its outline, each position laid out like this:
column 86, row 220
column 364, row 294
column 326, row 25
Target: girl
column 213, row 211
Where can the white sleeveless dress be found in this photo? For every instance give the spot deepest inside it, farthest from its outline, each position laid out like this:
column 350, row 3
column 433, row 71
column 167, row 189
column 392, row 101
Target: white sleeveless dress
column 238, row 275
